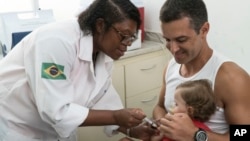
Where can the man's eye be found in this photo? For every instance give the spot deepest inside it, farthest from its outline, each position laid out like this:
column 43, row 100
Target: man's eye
column 182, row 40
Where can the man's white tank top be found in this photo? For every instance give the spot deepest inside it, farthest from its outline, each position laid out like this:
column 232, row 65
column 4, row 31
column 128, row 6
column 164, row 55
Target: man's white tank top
column 217, row 122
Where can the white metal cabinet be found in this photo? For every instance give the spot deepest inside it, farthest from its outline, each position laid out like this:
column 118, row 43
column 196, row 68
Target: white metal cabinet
column 143, row 81
column 144, row 75
column 95, row 134
column 118, row 81
column 146, row 101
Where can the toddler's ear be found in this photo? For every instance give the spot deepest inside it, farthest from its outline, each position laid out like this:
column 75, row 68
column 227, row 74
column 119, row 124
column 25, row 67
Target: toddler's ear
column 190, row 111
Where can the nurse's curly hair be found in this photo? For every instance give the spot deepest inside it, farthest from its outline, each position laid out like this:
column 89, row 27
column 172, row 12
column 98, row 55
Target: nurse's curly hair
column 112, row 11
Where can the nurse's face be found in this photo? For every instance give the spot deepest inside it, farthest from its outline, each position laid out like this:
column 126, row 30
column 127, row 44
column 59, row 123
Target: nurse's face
column 119, row 36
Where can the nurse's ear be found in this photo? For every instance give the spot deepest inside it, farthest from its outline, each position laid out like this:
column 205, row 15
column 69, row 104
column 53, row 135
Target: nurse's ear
column 100, row 26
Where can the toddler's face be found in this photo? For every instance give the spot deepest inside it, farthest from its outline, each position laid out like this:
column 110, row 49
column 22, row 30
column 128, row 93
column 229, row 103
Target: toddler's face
column 180, row 104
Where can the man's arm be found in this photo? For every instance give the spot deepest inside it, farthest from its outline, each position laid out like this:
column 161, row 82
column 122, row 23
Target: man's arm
column 159, row 110
column 232, row 87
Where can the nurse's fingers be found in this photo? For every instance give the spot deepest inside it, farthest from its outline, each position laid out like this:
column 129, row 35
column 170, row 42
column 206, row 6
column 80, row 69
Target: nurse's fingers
column 138, row 113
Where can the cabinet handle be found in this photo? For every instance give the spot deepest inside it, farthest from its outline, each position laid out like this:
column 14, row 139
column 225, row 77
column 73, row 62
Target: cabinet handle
column 148, row 100
column 149, row 68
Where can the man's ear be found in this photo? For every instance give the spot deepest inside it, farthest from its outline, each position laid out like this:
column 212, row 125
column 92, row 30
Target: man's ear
column 100, row 25
column 205, row 28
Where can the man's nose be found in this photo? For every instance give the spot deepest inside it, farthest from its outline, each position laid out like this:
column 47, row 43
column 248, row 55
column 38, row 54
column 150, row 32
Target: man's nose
column 173, row 46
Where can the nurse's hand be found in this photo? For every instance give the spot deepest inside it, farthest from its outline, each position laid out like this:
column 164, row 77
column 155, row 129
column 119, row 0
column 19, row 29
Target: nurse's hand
column 143, row 132
column 126, row 118
column 129, row 117
column 126, row 139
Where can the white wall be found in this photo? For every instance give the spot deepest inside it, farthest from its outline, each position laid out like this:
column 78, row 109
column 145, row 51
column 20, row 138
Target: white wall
column 62, row 9
column 152, row 9
column 229, row 20
column 229, row 27
column 15, row 5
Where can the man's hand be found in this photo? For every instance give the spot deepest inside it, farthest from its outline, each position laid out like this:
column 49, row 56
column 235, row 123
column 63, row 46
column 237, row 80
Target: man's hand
column 178, row 127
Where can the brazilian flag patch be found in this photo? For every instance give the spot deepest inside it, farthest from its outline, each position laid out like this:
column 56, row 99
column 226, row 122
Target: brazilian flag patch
column 52, row 71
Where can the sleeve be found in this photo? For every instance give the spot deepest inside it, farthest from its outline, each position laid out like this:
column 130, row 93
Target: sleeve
column 48, row 61
column 104, row 102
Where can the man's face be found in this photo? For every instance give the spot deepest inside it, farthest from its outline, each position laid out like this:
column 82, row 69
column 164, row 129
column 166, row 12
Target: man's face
column 182, row 40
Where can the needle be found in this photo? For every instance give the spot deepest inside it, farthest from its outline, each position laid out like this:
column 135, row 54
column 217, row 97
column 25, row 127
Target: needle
column 153, row 125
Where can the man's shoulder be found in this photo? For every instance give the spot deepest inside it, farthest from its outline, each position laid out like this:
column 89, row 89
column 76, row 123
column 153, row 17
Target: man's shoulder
column 231, row 80
column 231, row 70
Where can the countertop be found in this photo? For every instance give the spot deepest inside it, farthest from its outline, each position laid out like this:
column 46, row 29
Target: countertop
column 147, row 47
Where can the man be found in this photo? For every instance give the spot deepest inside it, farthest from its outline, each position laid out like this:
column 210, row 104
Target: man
column 185, row 27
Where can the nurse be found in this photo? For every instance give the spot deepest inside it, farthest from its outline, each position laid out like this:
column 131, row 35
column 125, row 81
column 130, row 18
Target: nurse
column 59, row 77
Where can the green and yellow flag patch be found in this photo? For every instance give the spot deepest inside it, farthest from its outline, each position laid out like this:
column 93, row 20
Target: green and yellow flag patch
column 52, row 71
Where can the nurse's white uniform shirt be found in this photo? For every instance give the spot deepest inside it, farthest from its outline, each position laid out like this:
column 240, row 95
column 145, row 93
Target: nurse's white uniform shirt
column 48, row 84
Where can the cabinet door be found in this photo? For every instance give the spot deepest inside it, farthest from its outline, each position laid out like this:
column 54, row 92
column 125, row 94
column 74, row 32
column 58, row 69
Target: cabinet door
column 95, row 134
column 118, row 81
column 144, row 75
column 146, row 101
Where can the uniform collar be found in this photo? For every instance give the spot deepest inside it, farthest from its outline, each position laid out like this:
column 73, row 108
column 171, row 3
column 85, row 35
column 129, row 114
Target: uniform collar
column 86, row 49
